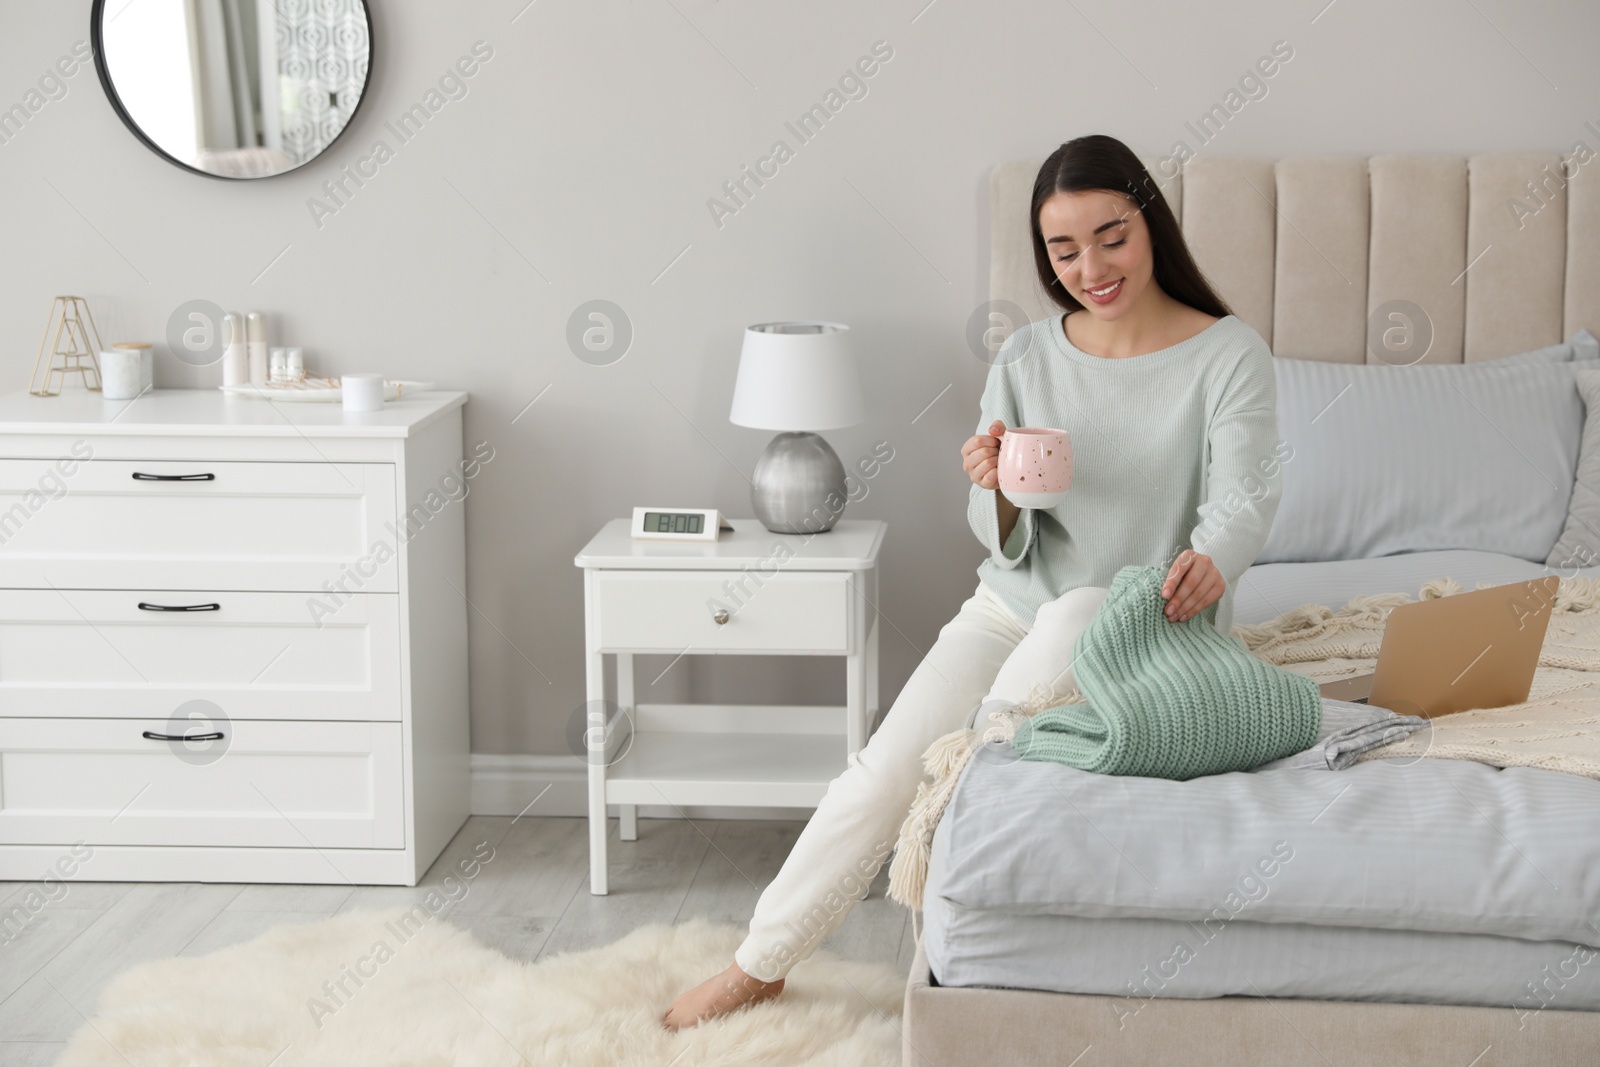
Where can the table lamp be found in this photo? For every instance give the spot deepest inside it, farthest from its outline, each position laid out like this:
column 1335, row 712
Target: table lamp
column 798, row 378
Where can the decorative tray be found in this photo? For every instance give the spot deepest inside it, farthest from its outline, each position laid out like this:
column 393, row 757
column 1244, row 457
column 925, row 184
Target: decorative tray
column 313, row 390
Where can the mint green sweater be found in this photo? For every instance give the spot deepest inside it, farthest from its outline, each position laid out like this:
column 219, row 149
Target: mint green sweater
column 1169, row 699
column 1173, row 449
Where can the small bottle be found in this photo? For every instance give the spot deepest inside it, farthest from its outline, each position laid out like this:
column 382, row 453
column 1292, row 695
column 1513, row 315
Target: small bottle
column 235, row 360
column 296, row 357
column 256, row 343
column 278, row 368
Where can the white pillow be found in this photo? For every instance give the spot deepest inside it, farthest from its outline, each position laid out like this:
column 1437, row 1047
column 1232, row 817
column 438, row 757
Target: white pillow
column 1385, row 459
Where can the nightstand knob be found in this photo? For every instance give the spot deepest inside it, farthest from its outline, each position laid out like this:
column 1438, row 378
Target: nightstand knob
column 720, row 616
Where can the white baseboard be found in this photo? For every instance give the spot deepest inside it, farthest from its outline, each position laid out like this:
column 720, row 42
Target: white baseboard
column 506, row 785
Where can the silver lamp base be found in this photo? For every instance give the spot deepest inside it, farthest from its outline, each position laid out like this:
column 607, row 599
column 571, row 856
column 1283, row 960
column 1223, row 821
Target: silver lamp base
column 799, row 485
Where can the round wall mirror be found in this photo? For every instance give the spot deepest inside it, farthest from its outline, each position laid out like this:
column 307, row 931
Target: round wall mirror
column 234, row 88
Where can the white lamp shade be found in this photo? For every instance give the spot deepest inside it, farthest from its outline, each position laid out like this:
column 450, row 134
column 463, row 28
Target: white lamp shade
column 797, row 376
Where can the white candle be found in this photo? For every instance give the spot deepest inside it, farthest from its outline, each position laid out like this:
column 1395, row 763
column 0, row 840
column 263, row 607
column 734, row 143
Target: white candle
column 121, row 373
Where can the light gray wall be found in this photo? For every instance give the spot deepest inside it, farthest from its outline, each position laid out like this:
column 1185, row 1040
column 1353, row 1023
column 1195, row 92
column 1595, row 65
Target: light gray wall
column 579, row 166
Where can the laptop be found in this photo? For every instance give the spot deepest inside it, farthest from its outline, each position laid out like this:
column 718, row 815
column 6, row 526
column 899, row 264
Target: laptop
column 1454, row 653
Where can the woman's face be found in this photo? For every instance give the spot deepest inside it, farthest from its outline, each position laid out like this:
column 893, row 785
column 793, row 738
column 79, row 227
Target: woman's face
column 1098, row 244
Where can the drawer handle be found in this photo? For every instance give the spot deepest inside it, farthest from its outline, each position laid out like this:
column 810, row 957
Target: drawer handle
column 140, row 476
column 720, row 616
column 179, row 607
column 214, row 736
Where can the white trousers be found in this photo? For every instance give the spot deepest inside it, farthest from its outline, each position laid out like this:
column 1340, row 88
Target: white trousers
column 984, row 653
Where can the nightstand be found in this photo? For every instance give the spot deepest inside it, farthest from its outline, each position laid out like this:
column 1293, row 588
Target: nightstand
column 751, row 592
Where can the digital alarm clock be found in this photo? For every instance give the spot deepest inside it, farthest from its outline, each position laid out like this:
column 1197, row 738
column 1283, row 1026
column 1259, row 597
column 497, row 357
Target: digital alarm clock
column 678, row 524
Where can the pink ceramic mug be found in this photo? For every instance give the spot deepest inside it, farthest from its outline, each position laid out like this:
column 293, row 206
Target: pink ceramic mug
column 1035, row 466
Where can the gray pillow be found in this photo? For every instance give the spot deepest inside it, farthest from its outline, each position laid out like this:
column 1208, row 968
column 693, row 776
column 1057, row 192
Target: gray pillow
column 1579, row 543
column 1383, row 459
column 1582, row 345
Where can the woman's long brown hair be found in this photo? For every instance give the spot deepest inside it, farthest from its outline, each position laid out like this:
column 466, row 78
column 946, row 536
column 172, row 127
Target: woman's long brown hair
column 1101, row 162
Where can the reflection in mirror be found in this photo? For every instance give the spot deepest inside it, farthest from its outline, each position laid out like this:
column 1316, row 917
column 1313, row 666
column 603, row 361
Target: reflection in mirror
column 234, row 88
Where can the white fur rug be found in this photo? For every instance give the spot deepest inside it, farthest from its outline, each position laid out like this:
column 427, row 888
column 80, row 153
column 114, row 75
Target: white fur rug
column 362, row 989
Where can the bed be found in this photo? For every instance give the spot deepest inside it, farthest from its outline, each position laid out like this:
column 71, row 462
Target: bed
column 1403, row 910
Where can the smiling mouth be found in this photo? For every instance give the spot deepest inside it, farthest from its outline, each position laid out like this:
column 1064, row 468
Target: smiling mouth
column 1104, row 292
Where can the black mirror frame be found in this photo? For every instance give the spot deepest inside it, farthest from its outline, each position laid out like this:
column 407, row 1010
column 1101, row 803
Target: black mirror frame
column 102, row 69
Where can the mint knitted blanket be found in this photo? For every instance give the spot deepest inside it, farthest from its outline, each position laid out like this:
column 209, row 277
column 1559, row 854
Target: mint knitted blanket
column 1169, row 699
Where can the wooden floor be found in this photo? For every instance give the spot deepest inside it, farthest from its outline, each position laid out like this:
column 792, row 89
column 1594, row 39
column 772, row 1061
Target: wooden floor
column 531, row 900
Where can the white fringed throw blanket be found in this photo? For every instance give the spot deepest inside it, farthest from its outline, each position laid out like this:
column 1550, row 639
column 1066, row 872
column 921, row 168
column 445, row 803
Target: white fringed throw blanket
column 1557, row 728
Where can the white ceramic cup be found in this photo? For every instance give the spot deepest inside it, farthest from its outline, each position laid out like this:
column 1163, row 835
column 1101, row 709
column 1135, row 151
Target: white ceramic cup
column 121, row 373
column 362, row 392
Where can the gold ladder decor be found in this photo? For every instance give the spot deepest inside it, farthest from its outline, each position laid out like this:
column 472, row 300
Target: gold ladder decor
column 71, row 325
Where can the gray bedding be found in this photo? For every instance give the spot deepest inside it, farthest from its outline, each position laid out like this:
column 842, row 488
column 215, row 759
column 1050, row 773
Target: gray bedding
column 1132, row 960
column 1321, row 883
column 1432, row 881
column 1443, row 845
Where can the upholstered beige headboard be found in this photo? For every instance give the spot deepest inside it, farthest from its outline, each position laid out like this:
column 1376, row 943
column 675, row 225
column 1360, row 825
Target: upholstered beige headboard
column 1502, row 250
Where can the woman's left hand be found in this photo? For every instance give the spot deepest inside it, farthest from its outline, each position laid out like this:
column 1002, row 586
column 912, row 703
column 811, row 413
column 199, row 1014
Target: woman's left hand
column 1193, row 584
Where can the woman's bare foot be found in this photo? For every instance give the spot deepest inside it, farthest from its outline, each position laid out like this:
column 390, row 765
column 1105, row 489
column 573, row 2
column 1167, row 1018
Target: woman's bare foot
column 718, row 995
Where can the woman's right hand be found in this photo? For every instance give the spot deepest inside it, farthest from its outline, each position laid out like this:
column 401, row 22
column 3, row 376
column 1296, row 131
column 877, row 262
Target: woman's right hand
column 980, row 456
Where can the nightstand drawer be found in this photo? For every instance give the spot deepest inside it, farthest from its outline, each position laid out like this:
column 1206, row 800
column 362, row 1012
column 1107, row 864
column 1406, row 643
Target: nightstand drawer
column 138, row 654
column 265, row 784
column 786, row 612
column 195, row 524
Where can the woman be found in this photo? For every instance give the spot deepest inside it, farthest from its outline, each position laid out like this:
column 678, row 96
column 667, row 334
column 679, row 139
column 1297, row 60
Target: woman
column 1170, row 402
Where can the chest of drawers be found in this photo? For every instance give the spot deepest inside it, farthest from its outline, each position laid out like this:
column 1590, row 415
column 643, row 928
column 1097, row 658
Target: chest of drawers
column 232, row 637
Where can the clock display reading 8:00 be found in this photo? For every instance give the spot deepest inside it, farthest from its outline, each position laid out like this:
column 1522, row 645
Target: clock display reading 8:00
column 669, row 522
